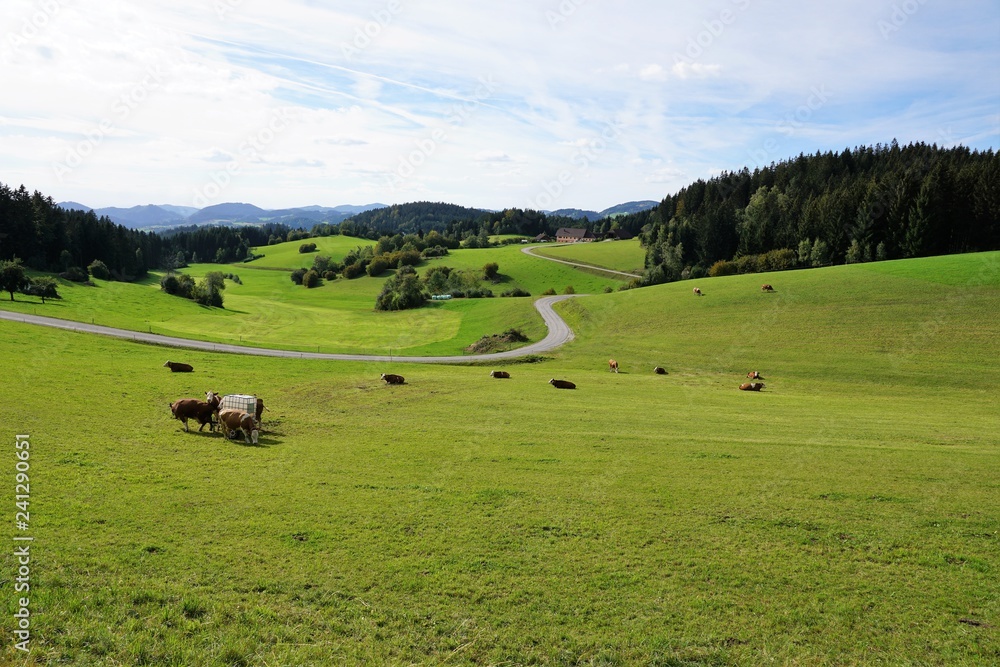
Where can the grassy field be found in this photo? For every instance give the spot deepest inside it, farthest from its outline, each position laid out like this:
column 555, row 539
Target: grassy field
column 626, row 256
column 268, row 310
column 849, row 514
column 287, row 256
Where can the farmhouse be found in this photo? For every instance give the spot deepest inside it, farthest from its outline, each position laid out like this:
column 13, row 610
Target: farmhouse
column 573, row 235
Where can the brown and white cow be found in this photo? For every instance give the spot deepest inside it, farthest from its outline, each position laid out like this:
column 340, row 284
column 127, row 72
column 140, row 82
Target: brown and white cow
column 660, row 371
column 389, row 378
column 236, row 420
column 751, row 386
column 612, row 365
column 192, row 408
column 697, row 292
column 562, row 384
column 766, row 287
column 500, row 375
column 177, row 367
column 754, row 375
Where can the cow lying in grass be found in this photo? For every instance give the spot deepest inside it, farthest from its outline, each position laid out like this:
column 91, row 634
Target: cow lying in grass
column 389, row 378
column 236, row 420
column 754, row 375
column 177, row 367
column 192, row 408
column 562, row 384
column 500, row 375
column 660, row 371
column 751, row 386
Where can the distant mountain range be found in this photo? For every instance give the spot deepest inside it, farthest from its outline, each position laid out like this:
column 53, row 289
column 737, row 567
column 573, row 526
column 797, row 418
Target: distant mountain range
column 162, row 216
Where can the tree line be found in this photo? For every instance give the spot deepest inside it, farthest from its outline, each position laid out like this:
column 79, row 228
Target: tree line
column 47, row 237
column 861, row 204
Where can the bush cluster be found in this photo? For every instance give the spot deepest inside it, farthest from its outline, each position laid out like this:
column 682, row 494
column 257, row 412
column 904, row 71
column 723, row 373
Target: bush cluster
column 517, row 291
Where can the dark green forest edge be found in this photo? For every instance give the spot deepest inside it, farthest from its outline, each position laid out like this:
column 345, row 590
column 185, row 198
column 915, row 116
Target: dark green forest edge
column 862, row 204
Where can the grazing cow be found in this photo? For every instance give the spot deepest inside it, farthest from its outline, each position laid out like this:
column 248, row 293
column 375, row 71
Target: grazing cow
column 751, row 386
column 660, row 371
column 192, row 408
column 260, row 410
column 389, row 378
column 236, row 420
column 499, row 374
column 613, row 365
column 177, row 367
column 767, row 288
column 697, row 292
column 754, row 375
column 562, row 384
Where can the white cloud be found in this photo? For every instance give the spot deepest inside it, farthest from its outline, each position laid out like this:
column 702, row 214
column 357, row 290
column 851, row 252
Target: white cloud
column 159, row 94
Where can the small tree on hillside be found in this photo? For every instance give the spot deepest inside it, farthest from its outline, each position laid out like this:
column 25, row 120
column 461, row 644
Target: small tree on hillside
column 491, row 271
column 12, row 276
column 43, row 287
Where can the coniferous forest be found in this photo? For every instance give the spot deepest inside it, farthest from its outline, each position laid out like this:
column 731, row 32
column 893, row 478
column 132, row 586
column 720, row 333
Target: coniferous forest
column 861, row 204
column 865, row 204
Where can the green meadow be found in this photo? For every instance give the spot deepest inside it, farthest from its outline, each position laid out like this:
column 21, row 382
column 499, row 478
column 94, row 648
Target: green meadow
column 268, row 310
column 626, row 256
column 849, row 514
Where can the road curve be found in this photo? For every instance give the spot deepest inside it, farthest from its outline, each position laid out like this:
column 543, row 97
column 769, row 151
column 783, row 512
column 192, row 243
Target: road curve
column 559, row 334
column 527, row 251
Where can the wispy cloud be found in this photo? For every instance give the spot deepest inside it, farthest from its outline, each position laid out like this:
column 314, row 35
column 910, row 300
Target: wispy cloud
column 150, row 101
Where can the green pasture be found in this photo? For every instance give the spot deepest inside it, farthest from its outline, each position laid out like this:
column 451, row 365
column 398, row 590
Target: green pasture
column 626, row 256
column 287, row 256
column 849, row 514
column 268, row 310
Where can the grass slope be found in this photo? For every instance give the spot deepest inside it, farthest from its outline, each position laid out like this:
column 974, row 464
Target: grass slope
column 268, row 310
column 287, row 256
column 626, row 256
column 848, row 514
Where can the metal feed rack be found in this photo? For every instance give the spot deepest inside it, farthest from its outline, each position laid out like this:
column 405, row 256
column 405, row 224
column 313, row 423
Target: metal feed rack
column 245, row 402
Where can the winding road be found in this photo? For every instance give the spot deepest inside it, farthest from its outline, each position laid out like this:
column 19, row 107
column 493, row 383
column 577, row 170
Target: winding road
column 559, row 334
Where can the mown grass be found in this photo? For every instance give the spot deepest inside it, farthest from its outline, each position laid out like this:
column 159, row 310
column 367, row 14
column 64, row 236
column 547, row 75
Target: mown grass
column 626, row 256
column 848, row 514
column 287, row 256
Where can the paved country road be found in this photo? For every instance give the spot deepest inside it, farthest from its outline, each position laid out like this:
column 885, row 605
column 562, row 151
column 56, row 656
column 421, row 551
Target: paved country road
column 559, row 334
column 527, row 251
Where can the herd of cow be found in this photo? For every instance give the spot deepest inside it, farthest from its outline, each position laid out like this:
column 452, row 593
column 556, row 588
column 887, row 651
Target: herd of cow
column 230, row 420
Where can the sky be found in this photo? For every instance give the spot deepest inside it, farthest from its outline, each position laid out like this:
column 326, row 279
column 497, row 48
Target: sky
column 542, row 104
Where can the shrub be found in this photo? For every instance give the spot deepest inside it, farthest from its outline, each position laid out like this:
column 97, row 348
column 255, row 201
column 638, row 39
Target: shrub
column 330, row 275
column 74, row 274
column 42, row 287
column 697, row 271
column 354, row 270
column 517, row 291
column 307, row 247
column 549, row 292
column 99, row 269
column 408, row 258
column 400, row 292
column 321, row 263
column 722, row 268
column 490, row 271
column 608, row 289
column 169, row 284
column 311, row 279
column 569, row 290
column 298, row 275
column 378, row 266
column 435, row 251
